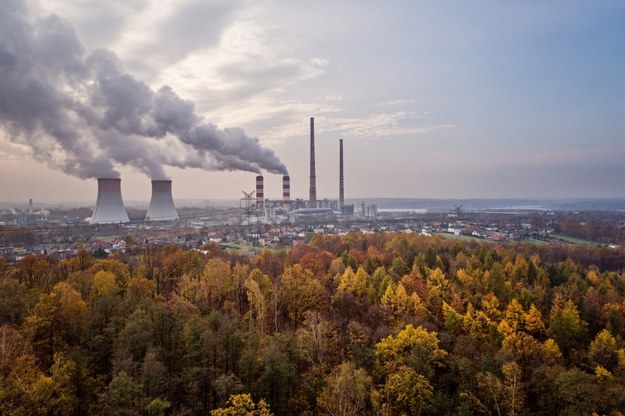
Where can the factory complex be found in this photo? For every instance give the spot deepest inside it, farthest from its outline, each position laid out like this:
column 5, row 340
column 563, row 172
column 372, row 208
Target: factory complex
column 109, row 207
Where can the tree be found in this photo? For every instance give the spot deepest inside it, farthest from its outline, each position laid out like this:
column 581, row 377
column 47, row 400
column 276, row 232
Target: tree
column 278, row 371
column 355, row 283
column 399, row 268
column 42, row 327
column 123, row 396
column 243, row 405
column 219, row 283
column 134, row 340
column 414, row 347
column 514, row 316
column 259, row 295
column 405, row 393
column 346, row 391
column 301, row 292
column 104, row 283
column 14, row 301
column 71, row 312
column 315, row 337
column 119, row 270
column 35, row 271
column 566, row 327
column 603, row 350
column 498, row 396
column 533, row 321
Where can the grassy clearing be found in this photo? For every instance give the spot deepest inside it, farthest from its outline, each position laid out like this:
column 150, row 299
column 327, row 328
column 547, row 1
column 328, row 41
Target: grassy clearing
column 537, row 242
column 461, row 237
column 573, row 240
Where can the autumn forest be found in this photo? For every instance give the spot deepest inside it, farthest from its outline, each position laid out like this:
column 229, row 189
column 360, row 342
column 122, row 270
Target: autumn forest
column 381, row 324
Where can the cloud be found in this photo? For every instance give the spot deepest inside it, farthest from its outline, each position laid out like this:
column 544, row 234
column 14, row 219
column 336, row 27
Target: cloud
column 373, row 126
column 99, row 26
column 80, row 112
column 393, row 103
column 183, row 29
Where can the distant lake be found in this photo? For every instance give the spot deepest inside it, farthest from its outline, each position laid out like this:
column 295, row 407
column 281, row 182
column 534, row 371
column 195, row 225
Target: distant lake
column 557, row 204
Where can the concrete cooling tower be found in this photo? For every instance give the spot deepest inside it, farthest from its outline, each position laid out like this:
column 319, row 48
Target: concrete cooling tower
column 162, row 203
column 109, row 207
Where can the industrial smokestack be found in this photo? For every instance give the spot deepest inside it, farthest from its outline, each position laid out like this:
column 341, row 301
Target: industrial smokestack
column 286, row 191
column 313, row 176
column 162, row 203
column 260, row 192
column 341, row 181
column 109, row 207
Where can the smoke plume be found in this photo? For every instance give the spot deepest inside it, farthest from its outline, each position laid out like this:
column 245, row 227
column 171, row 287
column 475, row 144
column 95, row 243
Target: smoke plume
column 80, row 112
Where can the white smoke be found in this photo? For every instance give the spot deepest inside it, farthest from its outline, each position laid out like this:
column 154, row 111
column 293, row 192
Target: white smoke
column 82, row 113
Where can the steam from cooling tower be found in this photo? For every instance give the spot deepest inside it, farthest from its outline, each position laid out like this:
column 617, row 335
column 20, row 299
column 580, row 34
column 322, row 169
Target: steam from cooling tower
column 81, row 113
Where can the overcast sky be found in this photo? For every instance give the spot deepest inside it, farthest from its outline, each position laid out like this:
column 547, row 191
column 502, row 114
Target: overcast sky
column 434, row 99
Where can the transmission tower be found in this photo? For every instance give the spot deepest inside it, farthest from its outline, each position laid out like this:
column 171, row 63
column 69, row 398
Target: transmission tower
column 458, row 210
column 247, row 203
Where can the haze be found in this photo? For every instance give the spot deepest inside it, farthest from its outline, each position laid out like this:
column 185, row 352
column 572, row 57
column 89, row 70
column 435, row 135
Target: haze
column 433, row 99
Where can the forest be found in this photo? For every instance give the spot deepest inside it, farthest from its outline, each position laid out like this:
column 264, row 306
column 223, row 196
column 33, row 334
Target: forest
column 380, row 324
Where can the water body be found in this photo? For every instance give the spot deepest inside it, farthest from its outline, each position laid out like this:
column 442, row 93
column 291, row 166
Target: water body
column 555, row 204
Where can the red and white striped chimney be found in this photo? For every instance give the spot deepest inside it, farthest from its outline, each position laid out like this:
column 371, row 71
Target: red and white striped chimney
column 260, row 192
column 286, row 191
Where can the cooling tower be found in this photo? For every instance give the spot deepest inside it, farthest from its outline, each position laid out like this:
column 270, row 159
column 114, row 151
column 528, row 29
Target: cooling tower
column 341, row 182
column 260, row 191
column 313, row 175
column 109, row 207
column 286, row 191
column 162, row 203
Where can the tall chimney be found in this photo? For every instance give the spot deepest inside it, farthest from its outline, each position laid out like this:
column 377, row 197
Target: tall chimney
column 341, row 181
column 260, row 192
column 109, row 207
column 313, row 177
column 286, row 192
column 162, row 203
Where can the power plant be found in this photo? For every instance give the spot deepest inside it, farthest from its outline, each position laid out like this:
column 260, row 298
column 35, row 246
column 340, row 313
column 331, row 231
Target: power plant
column 109, row 207
column 313, row 207
column 162, row 202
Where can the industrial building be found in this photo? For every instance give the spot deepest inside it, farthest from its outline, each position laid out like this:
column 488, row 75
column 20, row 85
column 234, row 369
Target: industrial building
column 162, row 202
column 109, row 207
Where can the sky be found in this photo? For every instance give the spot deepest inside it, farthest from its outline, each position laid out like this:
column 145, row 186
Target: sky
column 433, row 99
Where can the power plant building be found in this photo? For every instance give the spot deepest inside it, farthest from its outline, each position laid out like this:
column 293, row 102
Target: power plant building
column 162, row 202
column 312, row 216
column 109, row 207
